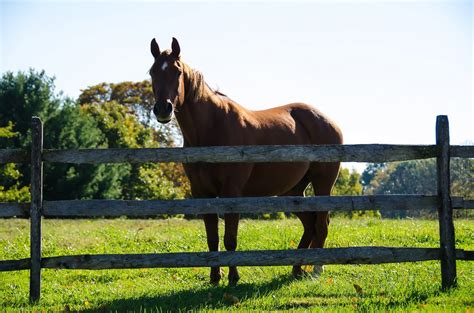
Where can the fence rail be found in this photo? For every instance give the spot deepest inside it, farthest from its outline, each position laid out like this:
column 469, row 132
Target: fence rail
column 147, row 208
column 274, row 153
column 38, row 208
column 353, row 255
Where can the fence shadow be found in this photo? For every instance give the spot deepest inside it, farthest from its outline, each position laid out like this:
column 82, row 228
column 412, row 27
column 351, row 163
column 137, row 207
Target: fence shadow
column 211, row 297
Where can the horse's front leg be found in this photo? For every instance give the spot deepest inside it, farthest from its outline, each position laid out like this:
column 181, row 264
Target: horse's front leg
column 211, row 222
column 230, row 243
column 232, row 188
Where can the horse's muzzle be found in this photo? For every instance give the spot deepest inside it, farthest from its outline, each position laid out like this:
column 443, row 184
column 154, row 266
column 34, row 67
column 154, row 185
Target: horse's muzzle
column 163, row 111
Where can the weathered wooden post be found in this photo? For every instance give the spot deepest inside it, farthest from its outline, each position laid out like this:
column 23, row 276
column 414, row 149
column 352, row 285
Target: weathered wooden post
column 445, row 211
column 36, row 207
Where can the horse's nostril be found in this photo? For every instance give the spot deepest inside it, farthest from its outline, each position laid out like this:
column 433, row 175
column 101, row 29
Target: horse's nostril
column 155, row 110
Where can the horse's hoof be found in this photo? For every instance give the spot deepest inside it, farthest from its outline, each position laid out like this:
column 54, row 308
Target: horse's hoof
column 215, row 278
column 233, row 280
column 317, row 271
column 298, row 273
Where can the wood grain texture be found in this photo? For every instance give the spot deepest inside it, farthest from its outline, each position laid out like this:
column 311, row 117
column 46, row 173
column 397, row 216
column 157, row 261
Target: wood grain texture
column 466, row 204
column 116, row 208
column 296, row 153
column 354, row 255
column 145, row 208
column 36, row 207
column 446, row 225
column 11, row 209
column 461, row 151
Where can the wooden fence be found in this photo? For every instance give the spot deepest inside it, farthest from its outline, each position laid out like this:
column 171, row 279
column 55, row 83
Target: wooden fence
column 38, row 208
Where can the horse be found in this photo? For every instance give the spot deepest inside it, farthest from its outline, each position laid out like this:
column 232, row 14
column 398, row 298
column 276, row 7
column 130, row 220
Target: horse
column 210, row 118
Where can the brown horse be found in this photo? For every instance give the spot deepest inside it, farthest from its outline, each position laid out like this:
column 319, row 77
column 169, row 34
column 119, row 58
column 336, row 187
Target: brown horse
column 209, row 118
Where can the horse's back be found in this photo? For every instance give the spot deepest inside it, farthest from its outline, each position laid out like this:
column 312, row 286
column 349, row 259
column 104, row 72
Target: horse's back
column 295, row 123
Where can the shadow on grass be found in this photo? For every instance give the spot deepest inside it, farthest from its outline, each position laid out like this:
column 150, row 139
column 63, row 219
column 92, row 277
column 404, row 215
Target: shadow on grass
column 211, row 297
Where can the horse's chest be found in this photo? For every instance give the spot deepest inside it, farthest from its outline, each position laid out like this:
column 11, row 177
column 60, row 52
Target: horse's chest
column 203, row 178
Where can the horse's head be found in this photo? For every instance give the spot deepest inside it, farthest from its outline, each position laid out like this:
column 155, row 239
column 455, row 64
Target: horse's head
column 166, row 80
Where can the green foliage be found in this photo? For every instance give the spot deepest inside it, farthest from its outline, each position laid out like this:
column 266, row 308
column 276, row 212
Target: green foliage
column 10, row 187
column 414, row 177
column 122, row 129
column 462, row 177
column 108, row 117
column 347, row 184
column 402, row 287
column 22, row 96
column 369, row 173
column 74, row 129
column 419, row 177
column 138, row 99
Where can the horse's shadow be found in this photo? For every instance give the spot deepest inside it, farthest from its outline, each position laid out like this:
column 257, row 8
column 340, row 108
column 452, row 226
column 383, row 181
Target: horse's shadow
column 211, row 297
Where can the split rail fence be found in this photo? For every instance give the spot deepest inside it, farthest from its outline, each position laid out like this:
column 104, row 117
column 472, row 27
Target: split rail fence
column 38, row 208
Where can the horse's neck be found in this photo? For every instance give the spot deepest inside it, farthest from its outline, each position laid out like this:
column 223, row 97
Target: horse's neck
column 195, row 115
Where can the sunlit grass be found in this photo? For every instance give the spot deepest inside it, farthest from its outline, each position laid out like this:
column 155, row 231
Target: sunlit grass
column 394, row 287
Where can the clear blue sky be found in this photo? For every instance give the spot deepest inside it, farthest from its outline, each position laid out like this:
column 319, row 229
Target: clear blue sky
column 382, row 70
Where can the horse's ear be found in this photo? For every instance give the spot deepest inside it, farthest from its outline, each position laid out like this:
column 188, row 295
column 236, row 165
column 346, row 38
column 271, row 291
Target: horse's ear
column 155, row 50
column 175, row 49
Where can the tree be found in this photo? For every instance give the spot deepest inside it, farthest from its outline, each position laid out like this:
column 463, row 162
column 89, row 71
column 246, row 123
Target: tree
column 122, row 129
column 74, row 129
column 369, row 173
column 138, row 98
column 22, row 96
column 347, row 183
column 419, row 177
column 462, row 177
column 10, row 188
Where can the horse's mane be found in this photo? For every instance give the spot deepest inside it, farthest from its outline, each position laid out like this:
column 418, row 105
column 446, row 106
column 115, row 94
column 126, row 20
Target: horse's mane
column 196, row 87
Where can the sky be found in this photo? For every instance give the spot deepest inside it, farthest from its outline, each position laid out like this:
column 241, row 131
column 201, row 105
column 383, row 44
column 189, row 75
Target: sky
column 383, row 70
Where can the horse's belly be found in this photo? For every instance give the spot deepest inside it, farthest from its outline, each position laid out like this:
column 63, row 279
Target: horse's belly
column 250, row 180
column 273, row 179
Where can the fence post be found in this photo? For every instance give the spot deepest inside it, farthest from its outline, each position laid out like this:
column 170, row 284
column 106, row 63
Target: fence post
column 36, row 207
column 445, row 212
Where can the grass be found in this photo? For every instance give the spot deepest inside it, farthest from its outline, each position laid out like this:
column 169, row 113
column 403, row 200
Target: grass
column 394, row 287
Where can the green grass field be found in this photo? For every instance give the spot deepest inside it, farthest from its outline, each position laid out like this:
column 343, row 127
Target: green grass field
column 393, row 287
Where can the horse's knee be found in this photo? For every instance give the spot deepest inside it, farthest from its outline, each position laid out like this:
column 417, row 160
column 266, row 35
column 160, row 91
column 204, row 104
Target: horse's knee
column 213, row 243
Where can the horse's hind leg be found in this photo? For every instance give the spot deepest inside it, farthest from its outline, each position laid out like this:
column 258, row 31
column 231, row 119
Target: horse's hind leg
column 230, row 243
column 306, row 218
column 323, row 177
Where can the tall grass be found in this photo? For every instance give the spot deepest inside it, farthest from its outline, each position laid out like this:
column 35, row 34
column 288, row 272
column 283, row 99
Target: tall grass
column 394, row 287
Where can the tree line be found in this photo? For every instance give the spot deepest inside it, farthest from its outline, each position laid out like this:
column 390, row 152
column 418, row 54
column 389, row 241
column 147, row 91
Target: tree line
column 110, row 115
column 104, row 116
